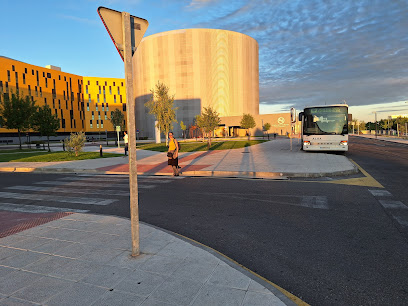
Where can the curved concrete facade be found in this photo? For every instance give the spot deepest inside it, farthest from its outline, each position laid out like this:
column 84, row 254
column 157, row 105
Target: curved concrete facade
column 202, row 67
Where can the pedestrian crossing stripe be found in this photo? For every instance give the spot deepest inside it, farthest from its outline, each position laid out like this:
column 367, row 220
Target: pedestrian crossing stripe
column 37, row 209
column 65, row 199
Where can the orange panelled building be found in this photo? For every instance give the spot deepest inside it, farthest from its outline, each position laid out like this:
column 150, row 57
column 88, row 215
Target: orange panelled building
column 81, row 103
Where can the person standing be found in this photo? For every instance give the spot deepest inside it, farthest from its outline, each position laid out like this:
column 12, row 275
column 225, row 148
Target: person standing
column 172, row 154
column 126, row 140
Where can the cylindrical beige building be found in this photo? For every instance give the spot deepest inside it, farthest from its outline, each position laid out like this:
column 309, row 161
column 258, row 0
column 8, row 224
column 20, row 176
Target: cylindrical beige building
column 201, row 67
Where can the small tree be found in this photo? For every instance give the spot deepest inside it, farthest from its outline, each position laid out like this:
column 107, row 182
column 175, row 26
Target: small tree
column 161, row 105
column 46, row 123
column 267, row 127
column 183, row 128
column 117, row 118
column 15, row 113
column 200, row 123
column 208, row 121
column 75, row 143
column 248, row 122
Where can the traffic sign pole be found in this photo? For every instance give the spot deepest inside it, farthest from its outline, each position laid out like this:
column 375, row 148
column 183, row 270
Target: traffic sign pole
column 134, row 197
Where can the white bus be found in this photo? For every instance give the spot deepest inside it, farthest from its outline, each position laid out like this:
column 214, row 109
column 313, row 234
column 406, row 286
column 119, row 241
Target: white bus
column 325, row 128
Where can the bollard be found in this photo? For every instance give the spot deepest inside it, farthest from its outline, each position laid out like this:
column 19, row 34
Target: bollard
column 100, row 150
column 63, row 145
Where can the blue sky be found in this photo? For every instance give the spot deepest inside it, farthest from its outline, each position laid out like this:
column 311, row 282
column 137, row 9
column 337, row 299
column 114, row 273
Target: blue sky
column 310, row 51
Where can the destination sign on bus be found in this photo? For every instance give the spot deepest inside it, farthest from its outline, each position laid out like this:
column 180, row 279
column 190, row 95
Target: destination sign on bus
column 327, row 110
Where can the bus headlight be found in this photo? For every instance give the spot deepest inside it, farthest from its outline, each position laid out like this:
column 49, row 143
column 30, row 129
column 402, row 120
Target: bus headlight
column 306, row 143
column 343, row 143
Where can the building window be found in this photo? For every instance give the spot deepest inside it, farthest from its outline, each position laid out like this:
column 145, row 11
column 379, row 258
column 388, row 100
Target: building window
column 103, row 107
column 66, row 104
column 101, row 124
column 87, row 107
column 43, row 74
column 46, row 83
column 121, row 84
column 90, row 124
column 8, row 76
column 25, row 70
column 97, row 96
column 13, row 68
column 106, row 116
column 106, row 83
column 23, row 78
column 107, row 107
column 36, row 91
column 86, row 89
column 120, row 98
column 114, row 84
column 59, row 104
column 16, row 74
column 110, row 90
column 124, row 107
column 29, row 90
column 89, row 99
column 93, row 116
column 118, row 90
column 40, row 92
column 97, row 124
column 59, row 78
column 97, row 83
column 32, row 71
column 45, row 101
column 100, row 90
column 104, row 90
column 96, row 107
column 65, row 78
column 53, row 105
column 104, row 98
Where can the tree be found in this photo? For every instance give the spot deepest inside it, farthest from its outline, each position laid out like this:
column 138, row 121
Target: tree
column 248, row 122
column 161, row 105
column 117, row 118
column 75, row 143
column 183, row 128
column 15, row 113
column 200, row 123
column 267, row 127
column 208, row 121
column 44, row 122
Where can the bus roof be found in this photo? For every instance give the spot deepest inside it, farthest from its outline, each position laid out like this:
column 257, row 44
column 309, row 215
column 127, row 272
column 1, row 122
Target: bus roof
column 313, row 106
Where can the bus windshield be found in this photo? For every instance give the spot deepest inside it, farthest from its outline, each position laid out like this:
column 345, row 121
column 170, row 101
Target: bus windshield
column 330, row 120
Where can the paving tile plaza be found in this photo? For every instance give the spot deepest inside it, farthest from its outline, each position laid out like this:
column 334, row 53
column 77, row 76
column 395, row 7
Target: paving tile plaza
column 269, row 159
column 43, row 265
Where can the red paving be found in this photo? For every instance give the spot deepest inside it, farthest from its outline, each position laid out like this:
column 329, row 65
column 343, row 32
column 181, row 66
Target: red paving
column 14, row 222
column 162, row 167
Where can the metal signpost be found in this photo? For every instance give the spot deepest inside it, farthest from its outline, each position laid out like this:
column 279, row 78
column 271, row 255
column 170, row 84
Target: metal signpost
column 126, row 32
column 292, row 120
column 117, row 133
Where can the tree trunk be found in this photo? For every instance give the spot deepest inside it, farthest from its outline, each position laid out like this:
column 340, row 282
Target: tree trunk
column 19, row 138
column 48, row 140
column 248, row 135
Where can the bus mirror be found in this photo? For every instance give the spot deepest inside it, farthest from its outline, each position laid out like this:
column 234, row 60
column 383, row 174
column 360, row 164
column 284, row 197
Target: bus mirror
column 301, row 116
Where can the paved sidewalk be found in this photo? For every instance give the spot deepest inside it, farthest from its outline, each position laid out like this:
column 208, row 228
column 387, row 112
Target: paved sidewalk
column 272, row 159
column 84, row 259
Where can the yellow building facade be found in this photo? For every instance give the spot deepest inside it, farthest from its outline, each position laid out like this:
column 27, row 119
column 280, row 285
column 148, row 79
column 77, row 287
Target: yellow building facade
column 81, row 103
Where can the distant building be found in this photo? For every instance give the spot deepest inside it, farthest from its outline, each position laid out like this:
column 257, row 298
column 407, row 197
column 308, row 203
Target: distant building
column 81, row 103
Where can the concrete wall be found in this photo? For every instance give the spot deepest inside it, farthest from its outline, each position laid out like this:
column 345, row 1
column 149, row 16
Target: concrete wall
column 202, row 67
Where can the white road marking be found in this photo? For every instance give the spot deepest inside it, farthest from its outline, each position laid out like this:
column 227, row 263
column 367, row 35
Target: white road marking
column 315, row 202
column 79, row 183
column 93, row 179
column 65, row 199
column 37, row 209
column 380, row 193
column 390, row 204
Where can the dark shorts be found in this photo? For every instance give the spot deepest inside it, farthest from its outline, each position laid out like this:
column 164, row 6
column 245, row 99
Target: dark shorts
column 173, row 162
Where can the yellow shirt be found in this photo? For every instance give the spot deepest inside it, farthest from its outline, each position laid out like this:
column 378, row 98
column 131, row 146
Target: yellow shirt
column 172, row 145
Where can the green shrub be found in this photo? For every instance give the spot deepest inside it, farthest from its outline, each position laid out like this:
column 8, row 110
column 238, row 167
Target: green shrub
column 75, row 143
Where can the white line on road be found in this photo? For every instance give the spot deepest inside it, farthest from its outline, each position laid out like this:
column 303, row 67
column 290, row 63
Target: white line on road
column 380, row 193
column 79, row 183
column 390, row 204
column 65, row 199
column 36, row 209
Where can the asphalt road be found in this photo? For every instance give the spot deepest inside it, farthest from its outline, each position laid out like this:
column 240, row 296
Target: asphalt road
column 329, row 244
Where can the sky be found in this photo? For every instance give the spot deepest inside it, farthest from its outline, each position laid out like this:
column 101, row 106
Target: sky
column 311, row 52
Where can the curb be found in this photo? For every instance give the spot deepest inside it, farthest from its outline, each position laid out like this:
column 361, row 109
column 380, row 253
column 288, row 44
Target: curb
column 228, row 174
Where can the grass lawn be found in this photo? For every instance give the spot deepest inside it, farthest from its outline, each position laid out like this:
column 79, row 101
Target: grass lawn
column 193, row 146
column 20, row 151
column 45, row 156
